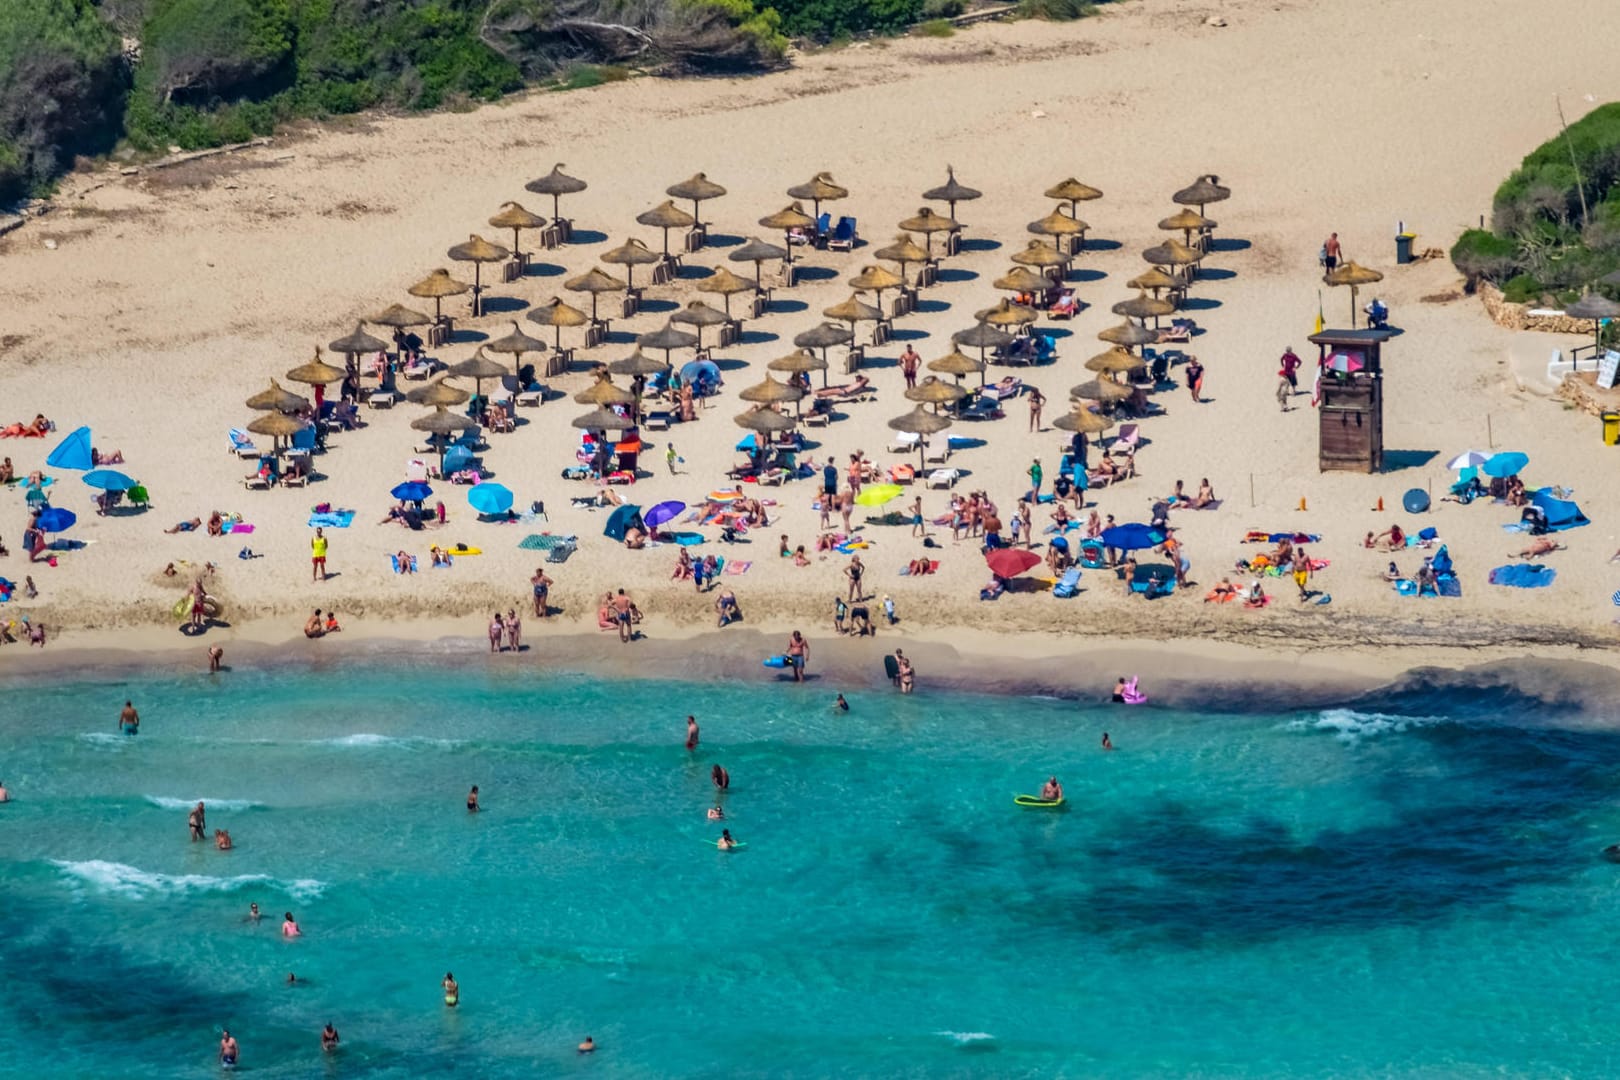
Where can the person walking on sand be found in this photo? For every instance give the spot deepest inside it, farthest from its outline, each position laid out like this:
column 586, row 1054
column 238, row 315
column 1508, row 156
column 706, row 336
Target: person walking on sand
column 691, row 733
column 1302, row 573
column 919, row 524
column 671, row 457
column 541, row 584
column 1195, row 378
column 1331, row 253
column 317, row 555
column 497, row 630
column 1036, row 400
column 798, row 652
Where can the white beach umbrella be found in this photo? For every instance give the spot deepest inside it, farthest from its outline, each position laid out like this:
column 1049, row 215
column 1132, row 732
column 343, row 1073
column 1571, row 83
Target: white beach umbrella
column 1468, row 459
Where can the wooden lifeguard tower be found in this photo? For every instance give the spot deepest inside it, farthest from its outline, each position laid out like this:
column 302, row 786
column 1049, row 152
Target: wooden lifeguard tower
column 1352, row 403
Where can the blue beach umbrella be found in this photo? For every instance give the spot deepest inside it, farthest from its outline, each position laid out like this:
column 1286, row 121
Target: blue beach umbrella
column 55, row 519
column 490, row 498
column 621, row 520
column 1507, row 463
column 1131, row 537
column 108, row 480
column 411, row 491
column 72, row 452
column 663, row 512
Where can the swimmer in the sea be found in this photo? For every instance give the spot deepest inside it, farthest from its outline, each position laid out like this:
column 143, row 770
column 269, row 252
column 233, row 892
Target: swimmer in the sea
column 198, row 821
column 472, row 800
column 588, row 1046
column 841, row 705
column 1052, row 791
column 289, row 926
column 5, row 796
column 329, row 1038
column 292, row 980
column 452, row 992
column 720, row 778
column 253, row 912
column 725, row 843
column 222, row 839
column 227, row 1050
column 716, row 813
column 129, row 721
column 215, row 655
column 691, row 733
column 1108, row 744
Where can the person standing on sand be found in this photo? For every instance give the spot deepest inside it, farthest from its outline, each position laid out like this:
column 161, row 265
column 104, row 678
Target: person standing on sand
column 1331, row 253
column 1035, row 475
column 497, row 630
column 215, row 655
column 317, row 555
column 854, row 571
column 908, row 365
column 622, row 613
column 1036, row 400
column 542, row 592
column 514, row 631
column 798, row 652
column 919, row 524
column 846, row 505
column 1195, row 379
column 691, row 733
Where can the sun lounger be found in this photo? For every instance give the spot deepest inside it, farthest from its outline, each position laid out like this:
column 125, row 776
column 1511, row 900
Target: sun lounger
column 1064, row 306
column 1128, row 438
column 242, row 443
column 1009, row 387
column 1068, row 584
column 381, row 399
column 936, row 452
column 902, row 441
column 256, row 481
column 981, row 408
column 944, row 478
column 902, row 474
column 843, row 237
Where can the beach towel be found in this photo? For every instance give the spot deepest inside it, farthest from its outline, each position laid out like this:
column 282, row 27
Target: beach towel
column 238, row 527
column 1523, row 575
column 850, row 546
column 1213, row 504
column 393, row 560
column 1561, row 513
column 1449, row 585
column 738, row 567
column 542, row 541
column 933, row 565
column 686, row 539
column 332, row 519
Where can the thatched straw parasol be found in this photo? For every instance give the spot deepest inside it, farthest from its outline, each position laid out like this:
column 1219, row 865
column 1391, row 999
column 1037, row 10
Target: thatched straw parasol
column 398, row 316
column 698, row 315
column 1006, row 313
column 556, row 314
column 854, row 310
column 438, row 392
column 515, row 344
column 1142, row 306
column 920, row 421
column 595, row 281
column 278, row 399
column 823, row 336
column 316, row 372
column 798, row 362
column 1172, row 253
column 766, row 421
column 603, row 418
column 952, row 192
column 771, row 392
column 1590, row 306
column 818, row 190
column 669, row 339
column 1101, row 390
column 1354, row 275
column 556, row 184
column 787, row 219
column 1201, row 192
column 478, row 367
column 958, row 364
column 757, row 252
column 1040, row 253
column 1154, row 279
column 698, row 188
column 928, row 223
column 436, row 286
column 1057, row 223
column 727, row 284
column 352, row 345
column 903, row 251
column 876, row 278
column 1186, row 221
column 933, row 392
column 513, row 216
column 1083, row 421
column 478, row 251
column 278, row 426
column 637, row 363
column 604, row 392
column 1072, row 191
column 444, row 423
column 666, row 215
column 982, row 336
column 631, row 254
column 1021, row 279
column 1128, row 334
column 1115, row 361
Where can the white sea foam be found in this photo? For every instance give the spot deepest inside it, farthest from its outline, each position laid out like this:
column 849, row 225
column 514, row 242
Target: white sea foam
column 103, row 738
column 965, row 1038
column 1348, row 725
column 121, row 879
column 367, row 739
column 168, row 803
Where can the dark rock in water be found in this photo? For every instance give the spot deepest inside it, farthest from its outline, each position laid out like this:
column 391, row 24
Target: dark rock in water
column 1612, row 853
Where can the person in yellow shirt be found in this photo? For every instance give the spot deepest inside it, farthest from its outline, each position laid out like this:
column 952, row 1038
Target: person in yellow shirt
column 317, row 550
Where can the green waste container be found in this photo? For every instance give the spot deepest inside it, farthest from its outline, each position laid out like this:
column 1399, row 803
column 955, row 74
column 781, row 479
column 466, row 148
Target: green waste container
column 1611, row 429
column 1403, row 247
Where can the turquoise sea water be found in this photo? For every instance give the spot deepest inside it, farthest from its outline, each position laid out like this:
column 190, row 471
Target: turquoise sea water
column 1406, row 889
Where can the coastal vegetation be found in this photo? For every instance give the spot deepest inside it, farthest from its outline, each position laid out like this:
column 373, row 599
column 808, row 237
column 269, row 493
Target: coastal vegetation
column 81, row 77
column 1555, row 222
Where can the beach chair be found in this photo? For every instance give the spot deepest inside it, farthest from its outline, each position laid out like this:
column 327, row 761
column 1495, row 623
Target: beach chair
column 1092, row 555
column 1128, row 439
column 944, row 478
column 1009, row 387
column 561, row 551
column 256, row 481
column 902, row 474
column 843, row 237
column 1064, row 306
column 902, row 441
column 1068, row 584
column 531, row 394
column 242, row 443
column 939, row 452
column 381, row 399
column 1045, row 351
column 980, row 408
column 657, row 421
column 304, row 440
column 817, row 418
column 1180, row 330
column 420, row 368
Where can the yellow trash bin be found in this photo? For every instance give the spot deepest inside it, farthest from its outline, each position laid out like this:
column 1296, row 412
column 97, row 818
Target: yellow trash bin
column 1611, row 429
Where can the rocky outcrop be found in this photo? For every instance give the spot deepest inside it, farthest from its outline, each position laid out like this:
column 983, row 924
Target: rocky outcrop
column 1511, row 316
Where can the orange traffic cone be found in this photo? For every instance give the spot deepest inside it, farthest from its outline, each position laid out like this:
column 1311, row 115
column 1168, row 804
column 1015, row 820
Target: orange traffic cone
column 1302, row 502
column 1380, row 506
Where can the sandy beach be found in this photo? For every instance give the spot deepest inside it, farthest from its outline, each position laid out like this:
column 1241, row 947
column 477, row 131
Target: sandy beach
column 164, row 299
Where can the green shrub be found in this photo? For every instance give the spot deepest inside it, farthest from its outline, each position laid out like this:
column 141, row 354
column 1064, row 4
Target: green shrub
column 830, row 20
column 1522, row 289
column 938, row 28
column 1482, row 255
column 1056, row 10
column 943, row 9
